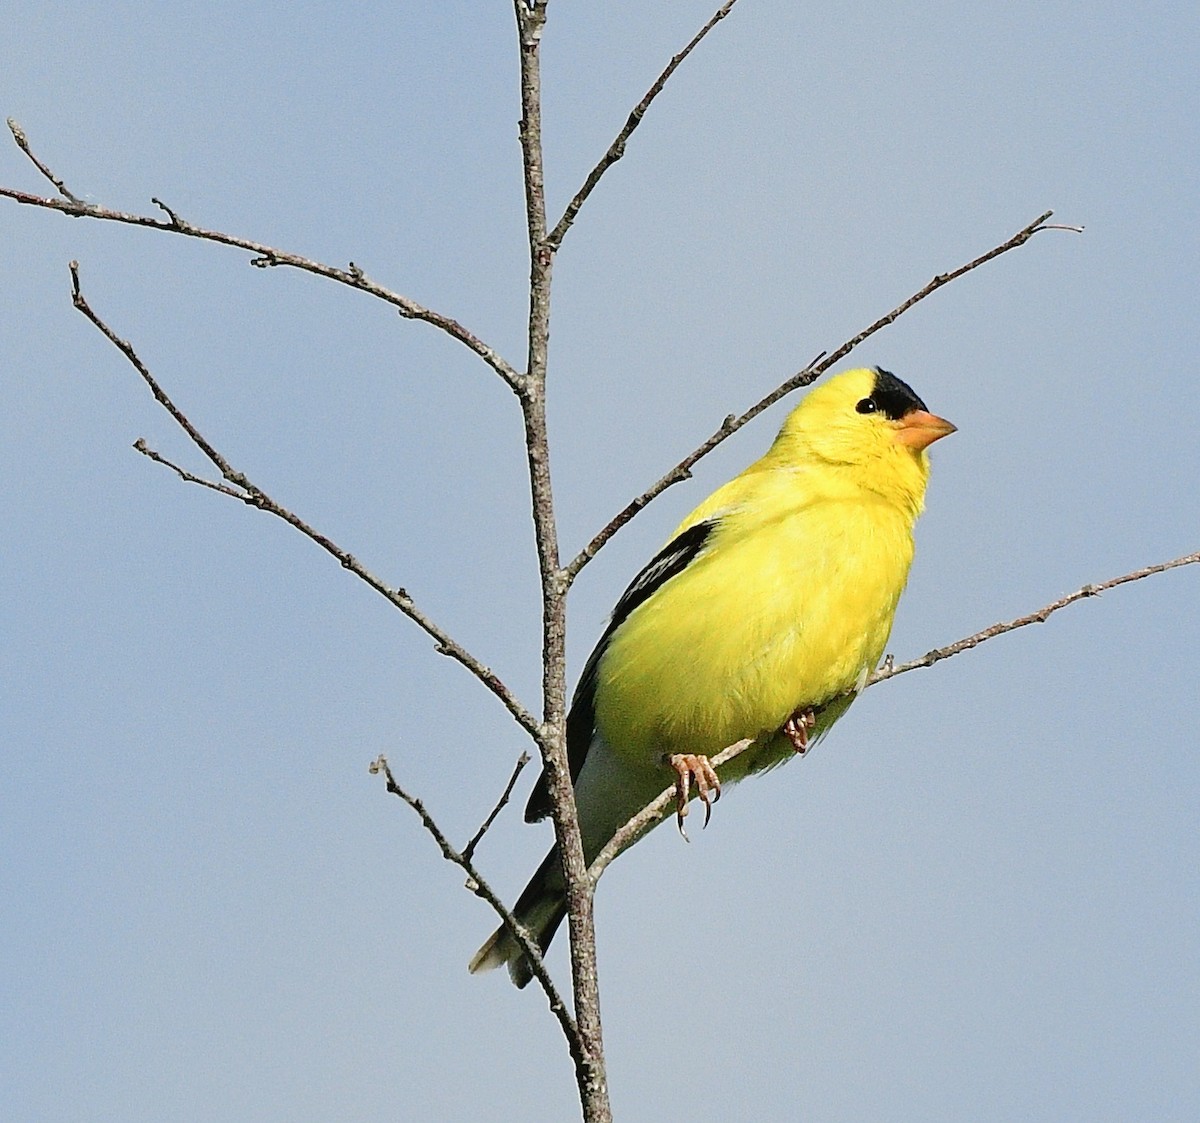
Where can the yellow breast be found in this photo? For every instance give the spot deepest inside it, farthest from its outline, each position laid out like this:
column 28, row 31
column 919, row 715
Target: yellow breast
column 772, row 617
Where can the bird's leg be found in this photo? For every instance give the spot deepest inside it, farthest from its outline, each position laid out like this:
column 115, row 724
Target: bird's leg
column 796, row 729
column 688, row 766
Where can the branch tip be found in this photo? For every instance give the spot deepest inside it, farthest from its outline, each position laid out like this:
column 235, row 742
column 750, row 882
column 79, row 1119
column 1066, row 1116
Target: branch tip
column 469, row 849
column 1044, row 225
column 22, row 141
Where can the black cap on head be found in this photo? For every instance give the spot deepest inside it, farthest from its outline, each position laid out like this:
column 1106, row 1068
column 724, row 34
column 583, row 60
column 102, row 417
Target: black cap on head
column 894, row 397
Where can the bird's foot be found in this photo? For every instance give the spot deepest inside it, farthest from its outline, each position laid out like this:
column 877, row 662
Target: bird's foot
column 797, row 727
column 689, row 766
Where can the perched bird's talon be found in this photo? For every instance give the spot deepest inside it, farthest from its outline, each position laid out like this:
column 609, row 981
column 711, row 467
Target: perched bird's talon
column 689, row 766
column 796, row 729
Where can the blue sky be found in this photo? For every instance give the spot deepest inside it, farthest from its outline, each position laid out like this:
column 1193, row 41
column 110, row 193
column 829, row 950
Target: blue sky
column 977, row 899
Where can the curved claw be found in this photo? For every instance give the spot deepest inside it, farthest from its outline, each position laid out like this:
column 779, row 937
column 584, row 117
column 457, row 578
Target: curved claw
column 689, row 766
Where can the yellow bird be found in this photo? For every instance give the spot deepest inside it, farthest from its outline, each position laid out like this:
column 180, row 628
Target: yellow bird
column 761, row 618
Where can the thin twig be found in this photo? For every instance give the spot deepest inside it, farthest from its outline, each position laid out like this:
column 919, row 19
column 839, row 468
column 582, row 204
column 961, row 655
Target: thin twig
column 23, row 144
column 469, row 850
column 481, row 888
column 241, row 487
column 810, row 373
column 1038, row 617
column 188, row 477
column 265, row 257
column 617, row 149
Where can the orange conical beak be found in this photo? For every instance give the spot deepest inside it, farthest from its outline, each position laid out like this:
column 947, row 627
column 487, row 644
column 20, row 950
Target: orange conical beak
column 918, row 429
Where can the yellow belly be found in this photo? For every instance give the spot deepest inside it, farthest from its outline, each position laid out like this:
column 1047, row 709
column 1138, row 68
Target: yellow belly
column 765, row 623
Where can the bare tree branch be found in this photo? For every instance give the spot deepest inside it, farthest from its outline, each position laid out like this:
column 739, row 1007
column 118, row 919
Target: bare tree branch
column 469, row 850
column 589, row 1068
column 265, row 256
column 241, row 487
column 617, row 149
column 481, row 888
column 810, row 373
column 1038, row 617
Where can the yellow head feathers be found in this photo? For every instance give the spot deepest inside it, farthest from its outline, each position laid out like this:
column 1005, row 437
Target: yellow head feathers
column 870, row 428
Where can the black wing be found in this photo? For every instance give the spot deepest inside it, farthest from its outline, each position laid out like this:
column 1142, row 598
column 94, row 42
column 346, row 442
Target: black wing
column 670, row 561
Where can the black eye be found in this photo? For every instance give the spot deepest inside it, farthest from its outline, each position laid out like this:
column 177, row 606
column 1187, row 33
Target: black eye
column 867, row 405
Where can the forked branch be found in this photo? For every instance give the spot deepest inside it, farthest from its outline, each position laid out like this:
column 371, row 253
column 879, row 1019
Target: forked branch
column 237, row 485
column 478, row 886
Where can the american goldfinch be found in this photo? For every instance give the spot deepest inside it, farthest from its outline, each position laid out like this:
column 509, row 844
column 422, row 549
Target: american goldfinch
column 761, row 618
